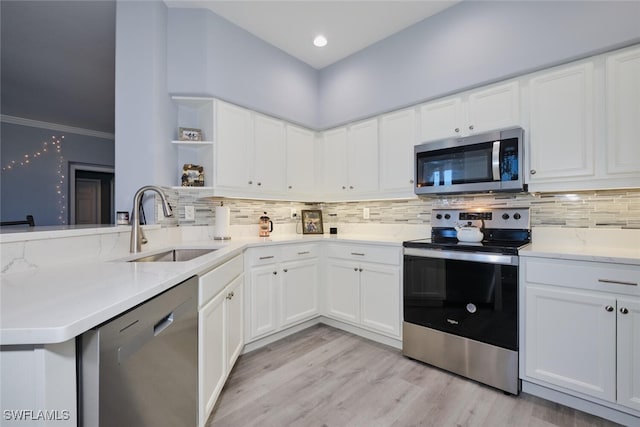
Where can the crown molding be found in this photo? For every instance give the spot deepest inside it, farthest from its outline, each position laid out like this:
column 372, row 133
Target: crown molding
column 54, row 126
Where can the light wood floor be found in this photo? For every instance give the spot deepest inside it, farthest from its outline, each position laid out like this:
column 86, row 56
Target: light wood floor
column 326, row 377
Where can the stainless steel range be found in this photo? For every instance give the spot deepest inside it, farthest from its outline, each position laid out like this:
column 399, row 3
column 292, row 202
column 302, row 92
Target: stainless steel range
column 461, row 298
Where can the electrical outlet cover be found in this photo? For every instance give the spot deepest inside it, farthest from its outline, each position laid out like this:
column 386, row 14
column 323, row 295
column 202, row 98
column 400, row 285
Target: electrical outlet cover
column 189, row 213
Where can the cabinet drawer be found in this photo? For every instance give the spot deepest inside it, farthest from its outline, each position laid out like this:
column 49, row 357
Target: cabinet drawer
column 598, row 276
column 262, row 256
column 214, row 281
column 293, row 252
column 368, row 253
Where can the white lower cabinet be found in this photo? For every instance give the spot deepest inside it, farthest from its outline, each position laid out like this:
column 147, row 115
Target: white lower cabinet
column 282, row 287
column 220, row 331
column 580, row 334
column 363, row 286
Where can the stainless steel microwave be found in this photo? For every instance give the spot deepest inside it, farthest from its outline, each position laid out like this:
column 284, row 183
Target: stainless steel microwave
column 483, row 163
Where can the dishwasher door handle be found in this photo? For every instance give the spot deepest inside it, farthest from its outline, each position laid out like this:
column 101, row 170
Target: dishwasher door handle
column 162, row 324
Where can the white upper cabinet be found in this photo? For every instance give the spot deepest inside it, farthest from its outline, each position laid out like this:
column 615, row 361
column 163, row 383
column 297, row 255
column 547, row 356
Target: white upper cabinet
column 397, row 139
column 301, row 164
column 363, row 157
column 335, row 160
column 233, row 163
column 440, row 119
column 269, row 172
column 623, row 112
column 561, row 127
column 476, row 111
column 350, row 157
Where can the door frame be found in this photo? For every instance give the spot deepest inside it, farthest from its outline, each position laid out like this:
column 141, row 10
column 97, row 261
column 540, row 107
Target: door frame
column 75, row 167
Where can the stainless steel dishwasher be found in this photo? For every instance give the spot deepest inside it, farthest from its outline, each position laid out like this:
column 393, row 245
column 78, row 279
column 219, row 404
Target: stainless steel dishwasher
column 140, row 368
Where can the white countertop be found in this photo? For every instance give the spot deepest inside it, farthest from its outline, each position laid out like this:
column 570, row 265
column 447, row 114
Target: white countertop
column 56, row 303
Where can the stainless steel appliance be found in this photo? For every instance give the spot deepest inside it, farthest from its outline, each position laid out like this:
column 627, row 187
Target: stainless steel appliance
column 489, row 162
column 461, row 298
column 140, row 368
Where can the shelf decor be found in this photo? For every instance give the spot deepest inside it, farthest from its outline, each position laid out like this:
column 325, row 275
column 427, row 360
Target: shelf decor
column 192, row 176
column 312, row 222
column 189, row 134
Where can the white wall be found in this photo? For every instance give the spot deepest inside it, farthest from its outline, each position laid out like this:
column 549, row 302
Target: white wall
column 144, row 122
column 208, row 55
column 470, row 44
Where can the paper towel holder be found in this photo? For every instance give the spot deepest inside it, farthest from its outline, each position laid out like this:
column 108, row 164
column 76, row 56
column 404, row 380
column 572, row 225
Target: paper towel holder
column 225, row 230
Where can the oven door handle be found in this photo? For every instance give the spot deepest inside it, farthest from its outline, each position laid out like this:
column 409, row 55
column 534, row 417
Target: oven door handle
column 463, row 256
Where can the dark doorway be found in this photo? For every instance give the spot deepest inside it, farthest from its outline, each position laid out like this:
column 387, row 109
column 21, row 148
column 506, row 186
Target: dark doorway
column 93, row 197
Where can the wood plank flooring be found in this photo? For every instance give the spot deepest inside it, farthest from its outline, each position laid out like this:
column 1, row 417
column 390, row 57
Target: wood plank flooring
column 323, row 376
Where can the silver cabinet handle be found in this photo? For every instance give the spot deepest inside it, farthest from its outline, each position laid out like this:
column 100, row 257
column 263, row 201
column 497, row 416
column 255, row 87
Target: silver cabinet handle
column 457, row 130
column 266, row 257
column 532, row 171
column 617, row 282
column 609, row 308
column 411, row 181
column 357, row 253
column 355, row 269
column 250, row 182
column 275, row 272
column 470, row 127
column 351, row 187
column 624, row 310
column 344, row 188
column 303, row 253
column 290, row 187
column 285, row 270
column 360, row 270
column 259, row 183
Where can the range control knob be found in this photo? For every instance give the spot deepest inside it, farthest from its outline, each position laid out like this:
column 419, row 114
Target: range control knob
column 505, row 216
column 516, row 216
column 438, row 216
column 447, row 216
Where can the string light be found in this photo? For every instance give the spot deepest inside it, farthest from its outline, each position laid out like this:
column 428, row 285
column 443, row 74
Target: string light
column 28, row 159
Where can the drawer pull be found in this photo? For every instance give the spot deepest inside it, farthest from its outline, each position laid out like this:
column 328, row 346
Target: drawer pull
column 624, row 310
column 617, row 282
column 357, row 253
column 609, row 308
column 266, row 257
column 303, row 253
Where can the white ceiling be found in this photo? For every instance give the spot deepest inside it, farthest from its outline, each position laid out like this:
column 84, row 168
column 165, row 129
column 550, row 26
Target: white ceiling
column 348, row 25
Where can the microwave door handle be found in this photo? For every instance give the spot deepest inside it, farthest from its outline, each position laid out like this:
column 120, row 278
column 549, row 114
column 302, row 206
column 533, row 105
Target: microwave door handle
column 495, row 161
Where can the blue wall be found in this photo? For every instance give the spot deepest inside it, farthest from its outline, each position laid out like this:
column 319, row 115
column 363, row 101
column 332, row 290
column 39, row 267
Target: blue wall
column 468, row 45
column 31, row 189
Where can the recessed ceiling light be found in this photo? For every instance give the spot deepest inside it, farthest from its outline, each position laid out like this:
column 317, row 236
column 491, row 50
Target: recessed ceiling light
column 320, row 41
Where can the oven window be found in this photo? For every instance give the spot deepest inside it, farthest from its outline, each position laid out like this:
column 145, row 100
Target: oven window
column 470, row 299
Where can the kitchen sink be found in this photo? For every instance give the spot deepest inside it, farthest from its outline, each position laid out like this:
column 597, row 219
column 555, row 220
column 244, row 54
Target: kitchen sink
column 174, row 255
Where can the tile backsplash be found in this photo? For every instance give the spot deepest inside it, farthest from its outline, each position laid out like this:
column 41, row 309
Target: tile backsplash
column 586, row 209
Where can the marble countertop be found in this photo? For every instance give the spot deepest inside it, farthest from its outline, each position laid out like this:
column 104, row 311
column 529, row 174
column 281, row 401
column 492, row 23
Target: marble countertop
column 56, row 303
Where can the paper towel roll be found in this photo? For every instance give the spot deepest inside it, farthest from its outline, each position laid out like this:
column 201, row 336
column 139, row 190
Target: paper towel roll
column 221, row 229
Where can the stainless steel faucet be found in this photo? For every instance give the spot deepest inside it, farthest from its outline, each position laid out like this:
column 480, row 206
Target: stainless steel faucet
column 137, row 236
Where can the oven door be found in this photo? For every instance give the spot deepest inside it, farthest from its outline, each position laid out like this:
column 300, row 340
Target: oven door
column 473, row 295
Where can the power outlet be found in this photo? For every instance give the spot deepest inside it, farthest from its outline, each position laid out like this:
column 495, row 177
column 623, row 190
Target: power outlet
column 293, row 213
column 365, row 213
column 189, row 213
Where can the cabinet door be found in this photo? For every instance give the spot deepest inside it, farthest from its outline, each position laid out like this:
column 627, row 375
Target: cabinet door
column 234, row 322
column 561, row 134
column 301, row 174
column 397, row 139
column 493, row 108
column 269, row 161
column 380, row 298
column 262, row 296
column 623, row 112
column 335, row 161
column 299, row 291
column 233, row 147
column 629, row 352
column 570, row 340
column 363, row 165
column 211, row 354
column 440, row 119
column 342, row 290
